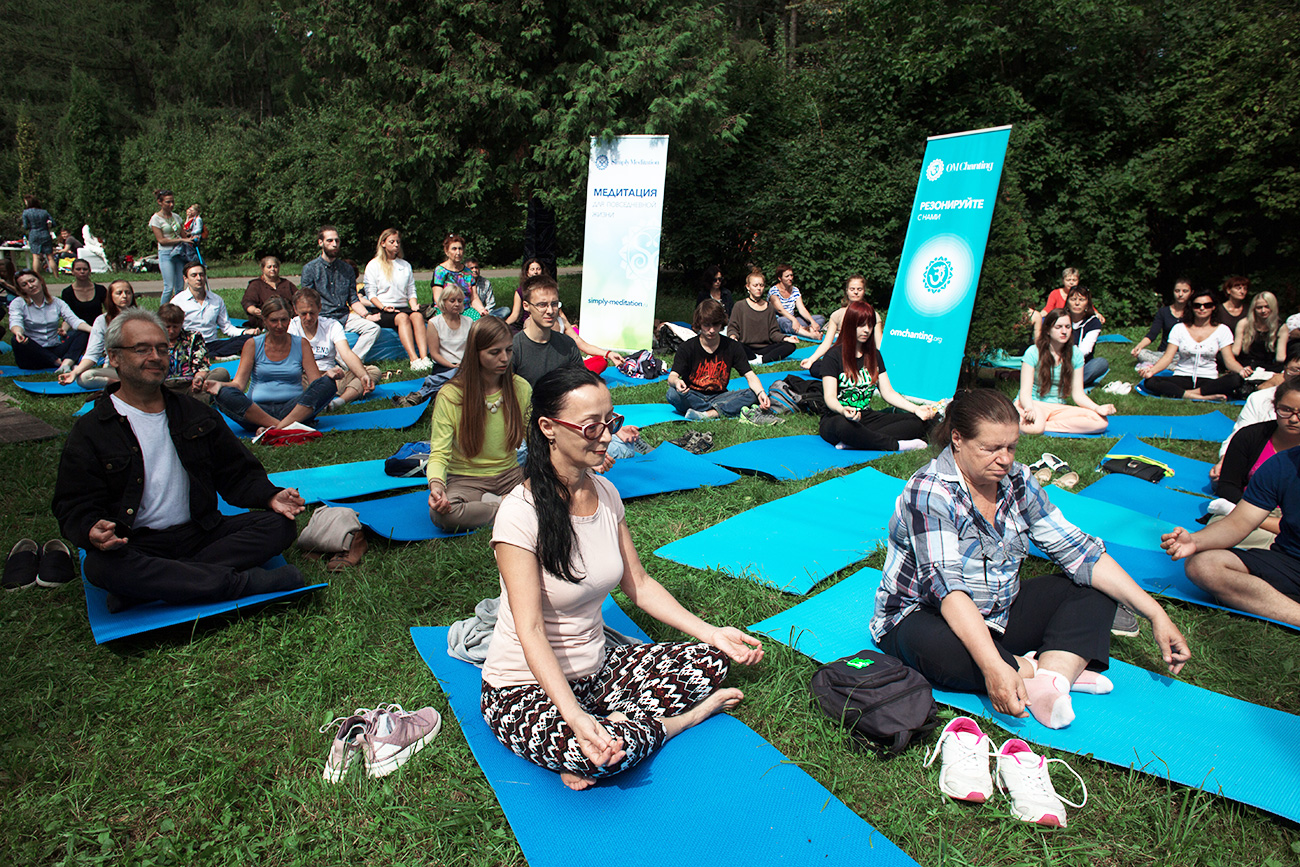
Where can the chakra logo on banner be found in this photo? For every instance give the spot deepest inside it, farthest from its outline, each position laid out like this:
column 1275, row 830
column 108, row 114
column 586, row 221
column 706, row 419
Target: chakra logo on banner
column 934, row 291
column 620, row 258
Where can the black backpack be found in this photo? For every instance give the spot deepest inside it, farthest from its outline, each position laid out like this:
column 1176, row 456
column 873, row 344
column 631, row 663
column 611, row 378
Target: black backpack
column 882, row 702
column 808, row 392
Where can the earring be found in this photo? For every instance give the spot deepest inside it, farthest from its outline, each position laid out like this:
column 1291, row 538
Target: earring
column 552, row 442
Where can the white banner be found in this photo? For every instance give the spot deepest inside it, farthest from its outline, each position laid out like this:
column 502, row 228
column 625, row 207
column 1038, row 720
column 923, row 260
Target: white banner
column 620, row 257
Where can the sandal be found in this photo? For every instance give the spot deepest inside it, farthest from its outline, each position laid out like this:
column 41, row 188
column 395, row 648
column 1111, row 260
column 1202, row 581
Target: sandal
column 1041, row 470
column 1068, row 477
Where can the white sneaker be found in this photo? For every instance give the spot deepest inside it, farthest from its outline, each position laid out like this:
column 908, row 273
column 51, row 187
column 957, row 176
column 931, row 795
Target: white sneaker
column 1023, row 776
column 964, row 774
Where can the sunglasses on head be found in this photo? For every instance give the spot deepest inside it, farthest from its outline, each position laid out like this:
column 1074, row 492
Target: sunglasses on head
column 593, row 430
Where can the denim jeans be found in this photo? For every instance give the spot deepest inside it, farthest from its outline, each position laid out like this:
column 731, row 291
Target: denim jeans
column 787, row 324
column 172, row 264
column 1093, row 370
column 727, row 403
column 316, row 397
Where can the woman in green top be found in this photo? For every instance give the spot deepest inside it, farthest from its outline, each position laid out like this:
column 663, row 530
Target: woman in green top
column 1046, row 366
column 478, row 424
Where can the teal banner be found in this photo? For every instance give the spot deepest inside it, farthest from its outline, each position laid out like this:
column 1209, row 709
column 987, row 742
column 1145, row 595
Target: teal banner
column 934, row 292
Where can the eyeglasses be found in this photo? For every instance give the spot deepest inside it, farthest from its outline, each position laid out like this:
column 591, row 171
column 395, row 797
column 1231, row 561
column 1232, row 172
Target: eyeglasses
column 1285, row 413
column 593, row 430
column 1203, row 305
column 143, row 350
column 549, row 305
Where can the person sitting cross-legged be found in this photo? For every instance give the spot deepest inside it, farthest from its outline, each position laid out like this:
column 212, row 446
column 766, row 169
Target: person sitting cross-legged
column 697, row 384
column 138, row 482
column 1265, row 582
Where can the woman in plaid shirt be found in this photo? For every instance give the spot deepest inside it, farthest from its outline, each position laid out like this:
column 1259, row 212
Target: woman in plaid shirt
column 952, row 604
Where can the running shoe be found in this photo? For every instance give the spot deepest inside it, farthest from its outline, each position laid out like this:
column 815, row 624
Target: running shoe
column 759, row 416
column 393, row 735
column 1023, row 775
column 966, row 750
column 1126, row 622
column 344, row 747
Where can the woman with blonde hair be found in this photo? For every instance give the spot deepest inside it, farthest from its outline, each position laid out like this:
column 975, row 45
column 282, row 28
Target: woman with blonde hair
column 478, row 424
column 1255, row 344
column 390, row 289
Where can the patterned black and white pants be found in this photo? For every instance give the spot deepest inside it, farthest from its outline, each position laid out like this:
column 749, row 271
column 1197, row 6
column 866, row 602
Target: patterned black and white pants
column 645, row 682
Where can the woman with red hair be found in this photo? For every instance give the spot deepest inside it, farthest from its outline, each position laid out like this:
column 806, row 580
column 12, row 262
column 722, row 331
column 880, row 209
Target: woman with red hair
column 852, row 372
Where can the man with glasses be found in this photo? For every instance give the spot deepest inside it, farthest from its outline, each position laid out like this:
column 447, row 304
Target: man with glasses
column 540, row 348
column 138, row 483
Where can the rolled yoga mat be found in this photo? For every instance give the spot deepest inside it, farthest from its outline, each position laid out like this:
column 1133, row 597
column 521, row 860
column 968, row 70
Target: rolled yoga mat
column 1151, row 723
column 717, row 785
column 157, row 615
column 786, row 458
column 794, row 542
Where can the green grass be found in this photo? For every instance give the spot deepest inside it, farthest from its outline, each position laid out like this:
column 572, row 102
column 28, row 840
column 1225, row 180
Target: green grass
column 198, row 745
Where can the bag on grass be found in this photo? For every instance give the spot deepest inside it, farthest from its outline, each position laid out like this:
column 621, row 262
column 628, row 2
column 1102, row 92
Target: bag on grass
column 642, row 365
column 878, row 699
column 808, row 392
column 408, row 461
column 1146, row 469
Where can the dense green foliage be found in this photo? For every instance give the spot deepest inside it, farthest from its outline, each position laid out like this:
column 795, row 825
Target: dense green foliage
column 1150, row 140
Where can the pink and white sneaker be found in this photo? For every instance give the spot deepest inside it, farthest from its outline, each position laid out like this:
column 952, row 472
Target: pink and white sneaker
column 964, row 774
column 1023, row 775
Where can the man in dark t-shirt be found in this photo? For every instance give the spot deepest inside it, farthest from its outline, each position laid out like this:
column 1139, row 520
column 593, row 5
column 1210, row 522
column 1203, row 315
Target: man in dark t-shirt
column 1265, row 582
column 697, row 385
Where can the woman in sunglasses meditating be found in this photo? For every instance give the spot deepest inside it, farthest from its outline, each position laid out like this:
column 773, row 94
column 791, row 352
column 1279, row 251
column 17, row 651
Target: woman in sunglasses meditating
column 1193, row 346
column 478, row 424
column 554, row 692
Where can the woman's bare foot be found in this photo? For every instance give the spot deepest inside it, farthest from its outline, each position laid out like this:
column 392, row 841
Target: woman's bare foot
column 719, row 700
column 576, row 782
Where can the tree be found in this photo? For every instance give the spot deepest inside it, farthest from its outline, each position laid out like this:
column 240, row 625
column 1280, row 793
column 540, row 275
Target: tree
column 89, row 171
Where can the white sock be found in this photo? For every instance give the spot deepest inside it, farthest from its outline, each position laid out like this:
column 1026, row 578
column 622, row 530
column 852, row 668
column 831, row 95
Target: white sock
column 911, row 445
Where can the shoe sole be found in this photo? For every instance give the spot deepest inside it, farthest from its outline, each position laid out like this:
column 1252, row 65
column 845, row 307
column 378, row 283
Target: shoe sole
column 395, row 761
column 41, row 582
column 1126, row 633
column 335, row 775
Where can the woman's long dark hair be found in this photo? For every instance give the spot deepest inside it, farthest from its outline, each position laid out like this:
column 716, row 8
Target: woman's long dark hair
column 857, row 314
column 969, row 409
column 1189, row 314
column 551, row 497
column 1045, row 365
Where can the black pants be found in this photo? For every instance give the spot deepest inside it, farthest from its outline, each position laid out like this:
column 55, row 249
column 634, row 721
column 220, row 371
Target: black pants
column 1050, row 613
column 876, row 431
column 1173, row 386
column 185, row 564
column 771, row 351
column 221, row 347
column 30, row 355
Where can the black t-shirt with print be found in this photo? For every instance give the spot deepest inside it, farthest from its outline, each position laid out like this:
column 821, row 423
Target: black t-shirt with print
column 856, row 395
column 710, row 373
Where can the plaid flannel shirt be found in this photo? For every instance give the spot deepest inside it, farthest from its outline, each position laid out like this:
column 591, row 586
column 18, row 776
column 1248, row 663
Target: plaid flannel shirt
column 939, row 542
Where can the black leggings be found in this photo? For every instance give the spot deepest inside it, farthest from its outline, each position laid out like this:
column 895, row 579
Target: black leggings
column 1173, row 386
column 1051, row 612
column 874, row 431
column 30, row 355
column 770, row 352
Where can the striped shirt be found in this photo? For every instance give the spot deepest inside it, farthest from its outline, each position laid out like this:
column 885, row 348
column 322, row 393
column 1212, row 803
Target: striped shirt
column 940, row 542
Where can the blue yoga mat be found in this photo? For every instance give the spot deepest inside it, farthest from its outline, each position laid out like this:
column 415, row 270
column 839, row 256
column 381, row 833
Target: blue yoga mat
column 1115, row 525
column 4, row 347
column 393, row 389
column 341, row 481
column 718, row 785
column 11, row 370
column 767, row 378
column 157, row 615
column 1211, row 426
column 1113, row 338
column 616, row 378
column 1159, row 502
column 1189, row 475
column 646, row 414
column 51, row 386
column 1152, row 723
column 665, row 469
column 834, row 524
column 391, row 419
column 404, row 518
column 786, row 458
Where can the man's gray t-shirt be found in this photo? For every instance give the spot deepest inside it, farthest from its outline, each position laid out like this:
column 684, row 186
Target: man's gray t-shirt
column 533, row 360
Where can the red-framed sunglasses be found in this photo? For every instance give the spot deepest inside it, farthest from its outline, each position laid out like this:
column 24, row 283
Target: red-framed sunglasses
column 593, row 430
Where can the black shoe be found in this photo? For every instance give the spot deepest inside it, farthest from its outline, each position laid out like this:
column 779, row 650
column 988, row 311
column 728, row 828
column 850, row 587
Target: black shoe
column 272, row 580
column 56, row 567
column 21, row 565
